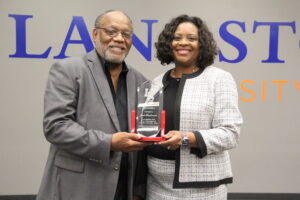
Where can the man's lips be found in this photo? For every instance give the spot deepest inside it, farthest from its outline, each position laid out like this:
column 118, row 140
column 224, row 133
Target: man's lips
column 117, row 49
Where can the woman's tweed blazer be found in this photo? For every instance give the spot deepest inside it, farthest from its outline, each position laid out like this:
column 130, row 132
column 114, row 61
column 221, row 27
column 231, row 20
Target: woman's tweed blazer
column 206, row 102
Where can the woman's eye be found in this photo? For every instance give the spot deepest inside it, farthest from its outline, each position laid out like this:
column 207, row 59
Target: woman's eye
column 193, row 39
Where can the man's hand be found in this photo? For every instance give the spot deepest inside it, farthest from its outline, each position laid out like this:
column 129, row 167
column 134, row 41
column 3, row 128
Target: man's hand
column 127, row 142
column 136, row 197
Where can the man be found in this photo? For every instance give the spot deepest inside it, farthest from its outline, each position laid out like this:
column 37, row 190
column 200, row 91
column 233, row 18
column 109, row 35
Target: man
column 88, row 102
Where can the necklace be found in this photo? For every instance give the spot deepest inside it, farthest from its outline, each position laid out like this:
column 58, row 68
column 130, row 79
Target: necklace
column 173, row 73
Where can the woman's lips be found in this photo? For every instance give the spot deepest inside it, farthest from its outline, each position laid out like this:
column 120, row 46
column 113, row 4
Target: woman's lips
column 183, row 51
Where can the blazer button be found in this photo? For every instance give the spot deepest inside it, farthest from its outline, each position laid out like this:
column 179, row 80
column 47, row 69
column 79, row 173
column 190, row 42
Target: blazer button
column 116, row 168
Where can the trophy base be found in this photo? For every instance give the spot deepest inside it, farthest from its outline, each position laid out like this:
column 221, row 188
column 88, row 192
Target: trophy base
column 152, row 139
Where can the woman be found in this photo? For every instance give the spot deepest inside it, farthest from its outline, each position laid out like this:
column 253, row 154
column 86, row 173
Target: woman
column 202, row 122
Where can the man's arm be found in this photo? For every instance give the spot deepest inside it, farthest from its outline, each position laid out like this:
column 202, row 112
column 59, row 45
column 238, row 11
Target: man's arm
column 62, row 129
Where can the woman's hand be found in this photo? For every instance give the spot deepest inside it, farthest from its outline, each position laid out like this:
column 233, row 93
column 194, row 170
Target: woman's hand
column 173, row 140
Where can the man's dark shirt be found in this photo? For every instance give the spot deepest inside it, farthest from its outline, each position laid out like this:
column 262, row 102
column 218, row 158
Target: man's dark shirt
column 120, row 100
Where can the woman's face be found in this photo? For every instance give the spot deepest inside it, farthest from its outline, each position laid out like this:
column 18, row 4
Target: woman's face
column 185, row 45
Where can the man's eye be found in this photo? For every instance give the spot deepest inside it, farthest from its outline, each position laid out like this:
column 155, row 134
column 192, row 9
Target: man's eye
column 111, row 32
column 126, row 34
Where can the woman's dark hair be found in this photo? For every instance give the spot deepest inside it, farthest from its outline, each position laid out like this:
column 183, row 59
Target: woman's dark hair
column 208, row 46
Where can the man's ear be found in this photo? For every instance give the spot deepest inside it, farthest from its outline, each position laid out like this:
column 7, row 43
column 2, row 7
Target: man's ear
column 94, row 34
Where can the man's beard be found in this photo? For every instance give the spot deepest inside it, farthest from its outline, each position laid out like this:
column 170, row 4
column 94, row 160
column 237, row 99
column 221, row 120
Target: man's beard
column 108, row 56
column 117, row 59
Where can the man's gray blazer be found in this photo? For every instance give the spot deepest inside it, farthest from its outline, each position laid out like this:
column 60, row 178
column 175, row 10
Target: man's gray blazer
column 79, row 120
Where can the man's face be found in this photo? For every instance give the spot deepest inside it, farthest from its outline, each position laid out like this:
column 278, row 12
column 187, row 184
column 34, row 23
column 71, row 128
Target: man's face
column 112, row 37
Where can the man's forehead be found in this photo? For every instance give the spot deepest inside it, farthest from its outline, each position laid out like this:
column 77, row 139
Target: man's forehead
column 116, row 18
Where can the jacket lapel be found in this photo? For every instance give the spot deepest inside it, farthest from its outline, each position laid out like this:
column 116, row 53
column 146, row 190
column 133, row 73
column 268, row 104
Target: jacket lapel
column 131, row 94
column 103, row 86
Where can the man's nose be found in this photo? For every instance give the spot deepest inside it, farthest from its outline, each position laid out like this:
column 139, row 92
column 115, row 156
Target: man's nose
column 119, row 37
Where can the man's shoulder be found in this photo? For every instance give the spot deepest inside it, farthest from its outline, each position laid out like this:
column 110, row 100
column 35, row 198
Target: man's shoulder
column 137, row 73
column 71, row 64
column 75, row 60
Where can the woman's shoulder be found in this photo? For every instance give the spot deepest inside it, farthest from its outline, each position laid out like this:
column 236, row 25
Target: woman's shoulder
column 215, row 72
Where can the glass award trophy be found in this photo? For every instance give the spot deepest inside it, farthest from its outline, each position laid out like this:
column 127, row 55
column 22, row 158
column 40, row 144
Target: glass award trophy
column 148, row 119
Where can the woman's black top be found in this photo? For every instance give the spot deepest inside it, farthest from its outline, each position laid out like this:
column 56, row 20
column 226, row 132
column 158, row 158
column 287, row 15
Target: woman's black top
column 170, row 91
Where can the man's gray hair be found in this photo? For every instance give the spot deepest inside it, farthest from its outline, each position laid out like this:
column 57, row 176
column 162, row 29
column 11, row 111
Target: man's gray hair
column 100, row 17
